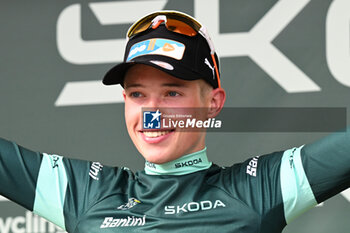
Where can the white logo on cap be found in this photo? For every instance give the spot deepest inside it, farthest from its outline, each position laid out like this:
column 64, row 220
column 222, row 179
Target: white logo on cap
column 137, row 50
column 208, row 64
column 157, row 46
column 163, row 65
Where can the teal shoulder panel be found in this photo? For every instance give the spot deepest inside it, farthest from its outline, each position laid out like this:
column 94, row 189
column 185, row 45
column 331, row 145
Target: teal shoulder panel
column 19, row 168
column 51, row 190
column 326, row 164
column 296, row 191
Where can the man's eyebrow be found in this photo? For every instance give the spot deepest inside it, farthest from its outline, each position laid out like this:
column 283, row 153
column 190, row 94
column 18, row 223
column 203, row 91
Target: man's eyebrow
column 133, row 85
column 173, row 85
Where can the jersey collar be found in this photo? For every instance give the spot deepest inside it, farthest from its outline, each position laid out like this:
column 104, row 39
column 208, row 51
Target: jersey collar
column 186, row 164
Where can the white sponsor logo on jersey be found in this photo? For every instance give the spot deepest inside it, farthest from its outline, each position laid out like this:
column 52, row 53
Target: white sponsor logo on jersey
column 252, row 166
column 129, row 221
column 193, row 207
column 95, row 169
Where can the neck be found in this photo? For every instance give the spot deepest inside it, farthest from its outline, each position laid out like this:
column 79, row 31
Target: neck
column 186, row 164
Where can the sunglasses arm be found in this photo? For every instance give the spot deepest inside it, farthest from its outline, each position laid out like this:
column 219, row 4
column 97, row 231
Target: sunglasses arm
column 204, row 32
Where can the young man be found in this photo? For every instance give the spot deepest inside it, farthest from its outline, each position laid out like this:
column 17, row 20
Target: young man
column 170, row 63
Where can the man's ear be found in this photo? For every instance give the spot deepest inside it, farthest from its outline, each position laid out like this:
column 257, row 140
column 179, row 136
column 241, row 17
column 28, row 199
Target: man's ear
column 124, row 95
column 218, row 97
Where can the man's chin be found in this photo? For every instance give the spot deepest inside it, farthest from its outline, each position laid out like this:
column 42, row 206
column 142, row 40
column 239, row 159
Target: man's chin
column 158, row 156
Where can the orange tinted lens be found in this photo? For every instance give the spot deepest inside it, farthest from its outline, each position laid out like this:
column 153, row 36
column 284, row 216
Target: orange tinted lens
column 138, row 28
column 180, row 27
column 175, row 22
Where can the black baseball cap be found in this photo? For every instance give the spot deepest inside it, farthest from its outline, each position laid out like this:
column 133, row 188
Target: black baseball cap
column 182, row 56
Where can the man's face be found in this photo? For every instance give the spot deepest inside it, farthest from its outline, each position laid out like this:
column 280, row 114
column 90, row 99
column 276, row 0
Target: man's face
column 147, row 87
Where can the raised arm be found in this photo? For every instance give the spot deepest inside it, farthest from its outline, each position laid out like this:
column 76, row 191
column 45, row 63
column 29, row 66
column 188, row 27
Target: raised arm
column 19, row 170
column 315, row 172
column 327, row 165
column 56, row 188
column 282, row 185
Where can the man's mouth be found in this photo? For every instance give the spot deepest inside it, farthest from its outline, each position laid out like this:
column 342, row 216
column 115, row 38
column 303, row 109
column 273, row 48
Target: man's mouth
column 155, row 134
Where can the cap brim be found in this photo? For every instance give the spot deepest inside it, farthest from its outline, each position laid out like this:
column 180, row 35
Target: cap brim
column 116, row 74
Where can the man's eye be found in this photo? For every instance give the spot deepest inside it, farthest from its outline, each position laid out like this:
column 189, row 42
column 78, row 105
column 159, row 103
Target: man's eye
column 173, row 93
column 135, row 94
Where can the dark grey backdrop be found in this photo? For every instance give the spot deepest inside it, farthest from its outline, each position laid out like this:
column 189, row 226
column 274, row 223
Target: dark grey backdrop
column 33, row 73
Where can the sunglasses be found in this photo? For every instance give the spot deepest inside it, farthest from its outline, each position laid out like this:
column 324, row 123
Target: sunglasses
column 176, row 22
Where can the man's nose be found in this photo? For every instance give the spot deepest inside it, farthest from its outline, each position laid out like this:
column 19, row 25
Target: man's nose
column 154, row 102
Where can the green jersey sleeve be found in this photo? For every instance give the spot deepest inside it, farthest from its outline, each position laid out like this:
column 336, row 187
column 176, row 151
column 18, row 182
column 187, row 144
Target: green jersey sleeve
column 315, row 172
column 281, row 186
column 38, row 182
column 19, row 170
column 59, row 189
column 327, row 165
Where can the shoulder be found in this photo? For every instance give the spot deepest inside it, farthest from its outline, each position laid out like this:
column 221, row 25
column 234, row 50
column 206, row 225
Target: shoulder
column 251, row 167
